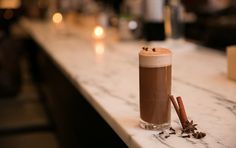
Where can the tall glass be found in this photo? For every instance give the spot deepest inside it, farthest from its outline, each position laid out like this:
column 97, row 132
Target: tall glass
column 155, row 88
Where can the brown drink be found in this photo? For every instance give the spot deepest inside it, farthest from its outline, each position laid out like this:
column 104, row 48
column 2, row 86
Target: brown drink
column 155, row 87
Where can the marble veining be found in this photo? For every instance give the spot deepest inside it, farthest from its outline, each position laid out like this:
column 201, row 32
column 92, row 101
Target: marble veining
column 108, row 78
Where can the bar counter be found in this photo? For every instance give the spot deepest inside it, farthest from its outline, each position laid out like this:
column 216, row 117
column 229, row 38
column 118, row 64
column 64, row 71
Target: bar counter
column 105, row 72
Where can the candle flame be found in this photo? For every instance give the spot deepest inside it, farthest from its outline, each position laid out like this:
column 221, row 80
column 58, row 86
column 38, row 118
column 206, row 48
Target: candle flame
column 98, row 32
column 57, row 18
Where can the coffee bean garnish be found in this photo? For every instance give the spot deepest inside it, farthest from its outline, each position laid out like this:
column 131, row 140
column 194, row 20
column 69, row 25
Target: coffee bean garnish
column 145, row 48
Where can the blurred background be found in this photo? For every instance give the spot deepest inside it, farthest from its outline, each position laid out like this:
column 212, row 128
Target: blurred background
column 208, row 22
column 25, row 120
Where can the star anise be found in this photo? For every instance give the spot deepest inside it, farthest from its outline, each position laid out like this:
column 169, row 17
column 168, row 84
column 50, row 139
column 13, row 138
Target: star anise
column 199, row 135
column 189, row 127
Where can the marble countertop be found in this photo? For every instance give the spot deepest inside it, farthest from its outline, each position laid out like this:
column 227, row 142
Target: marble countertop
column 106, row 73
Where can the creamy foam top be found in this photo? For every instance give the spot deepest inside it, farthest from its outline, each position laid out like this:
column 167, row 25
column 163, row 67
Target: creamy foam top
column 155, row 57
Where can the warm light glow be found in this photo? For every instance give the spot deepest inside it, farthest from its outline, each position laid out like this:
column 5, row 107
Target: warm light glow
column 10, row 4
column 57, row 18
column 133, row 25
column 99, row 48
column 168, row 30
column 98, row 32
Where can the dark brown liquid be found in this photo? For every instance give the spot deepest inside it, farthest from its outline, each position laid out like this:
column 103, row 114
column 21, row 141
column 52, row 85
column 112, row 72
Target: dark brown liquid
column 155, row 89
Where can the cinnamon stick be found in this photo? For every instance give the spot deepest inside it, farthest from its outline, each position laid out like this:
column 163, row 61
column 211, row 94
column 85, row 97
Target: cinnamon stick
column 177, row 109
column 182, row 113
column 175, row 105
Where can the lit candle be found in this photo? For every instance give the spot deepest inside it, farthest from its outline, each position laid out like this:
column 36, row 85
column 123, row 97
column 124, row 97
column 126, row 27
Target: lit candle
column 98, row 32
column 58, row 23
column 231, row 61
column 57, row 18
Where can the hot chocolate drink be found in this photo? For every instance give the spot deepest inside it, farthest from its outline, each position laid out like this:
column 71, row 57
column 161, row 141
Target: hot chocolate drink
column 155, row 87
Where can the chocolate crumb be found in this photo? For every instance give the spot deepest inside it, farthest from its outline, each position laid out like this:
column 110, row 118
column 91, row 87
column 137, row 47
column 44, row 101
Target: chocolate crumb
column 153, row 49
column 161, row 133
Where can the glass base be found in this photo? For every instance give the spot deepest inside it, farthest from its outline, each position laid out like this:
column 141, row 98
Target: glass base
column 151, row 126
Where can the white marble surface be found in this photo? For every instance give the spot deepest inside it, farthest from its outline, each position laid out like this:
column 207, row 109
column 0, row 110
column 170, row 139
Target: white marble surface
column 109, row 81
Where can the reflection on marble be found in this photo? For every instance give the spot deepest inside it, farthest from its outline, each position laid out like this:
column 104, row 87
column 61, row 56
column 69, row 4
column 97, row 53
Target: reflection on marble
column 110, row 84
